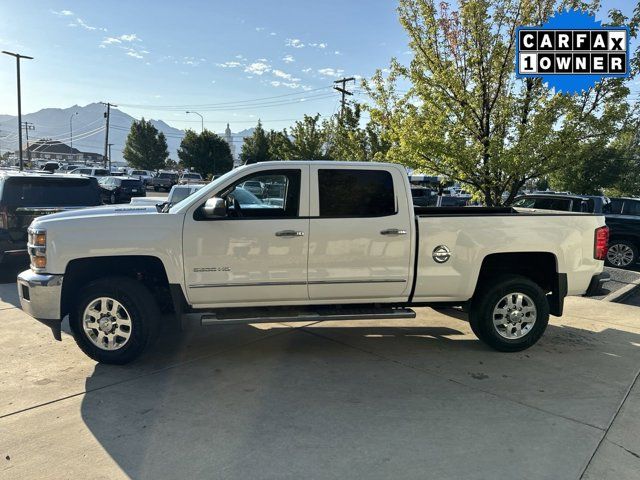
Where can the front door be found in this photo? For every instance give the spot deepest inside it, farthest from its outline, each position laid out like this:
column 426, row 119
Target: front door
column 360, row 234
column 258, row 253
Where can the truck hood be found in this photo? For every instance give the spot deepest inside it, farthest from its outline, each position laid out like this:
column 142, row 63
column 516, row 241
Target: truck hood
column 115, row 210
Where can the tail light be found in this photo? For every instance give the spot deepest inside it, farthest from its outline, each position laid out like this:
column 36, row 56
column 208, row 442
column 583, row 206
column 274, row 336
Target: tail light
column 4, row 220
column 601, row 243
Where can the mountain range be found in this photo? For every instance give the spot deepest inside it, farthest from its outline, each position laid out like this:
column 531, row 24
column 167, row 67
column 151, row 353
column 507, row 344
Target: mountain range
column 88, row 129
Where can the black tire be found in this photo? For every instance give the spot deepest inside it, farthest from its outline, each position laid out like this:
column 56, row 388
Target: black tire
column 143, row 312
column 113, row 198
column 486, row 299
column 621, row 260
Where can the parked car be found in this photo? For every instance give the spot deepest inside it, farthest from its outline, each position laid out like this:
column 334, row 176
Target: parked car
column 91, row 171
column 121, row 189
column 623, row 220
column 24, row 197
column 423, row 197
column 50, row 167
column 346, row 243
column 190, row 177
column 252, row 186
column 177, row 194
column 144, row 175
column 68, row 168
column 560, row 202
column 164, row 181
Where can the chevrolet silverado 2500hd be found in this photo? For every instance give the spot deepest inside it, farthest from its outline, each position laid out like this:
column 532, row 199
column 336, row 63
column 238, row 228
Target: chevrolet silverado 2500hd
column 341, row 241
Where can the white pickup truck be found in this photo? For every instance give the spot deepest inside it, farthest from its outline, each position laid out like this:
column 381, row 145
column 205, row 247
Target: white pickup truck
column 327, row 240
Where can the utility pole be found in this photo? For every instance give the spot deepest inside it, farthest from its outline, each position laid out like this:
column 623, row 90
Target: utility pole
column 27, row 126
column 343, row 90
column 109, row 145
column 107, row 114
column 71, row 132
column 18, row 57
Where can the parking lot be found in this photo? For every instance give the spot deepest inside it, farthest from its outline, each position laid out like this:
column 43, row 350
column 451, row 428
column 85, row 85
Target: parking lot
column 387, row 399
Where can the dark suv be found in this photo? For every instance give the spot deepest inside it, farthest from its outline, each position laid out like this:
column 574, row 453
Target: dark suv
column 623, row 220
column 25, row 196
column 121, row 189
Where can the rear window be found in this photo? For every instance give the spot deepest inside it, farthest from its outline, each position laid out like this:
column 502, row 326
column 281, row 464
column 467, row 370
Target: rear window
column 356, row 193
column 167, row 175
column 100, row 172
column 631, row 207
column 191, row 175
column 130, row 183
column 138, row 172
column 563, row 204
column 50, row 192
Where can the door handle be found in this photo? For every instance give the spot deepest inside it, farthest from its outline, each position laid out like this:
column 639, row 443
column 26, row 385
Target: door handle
column 393, row 231
column 289, row 233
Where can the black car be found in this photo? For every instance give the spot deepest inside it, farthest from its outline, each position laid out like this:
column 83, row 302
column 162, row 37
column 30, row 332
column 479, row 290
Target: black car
column 623, row 220
column 563, row 202
column 25, row 196
column 121, row 189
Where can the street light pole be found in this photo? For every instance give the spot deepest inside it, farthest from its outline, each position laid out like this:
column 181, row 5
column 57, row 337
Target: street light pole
column 71, row 130
column 18, row 57
column 201, row 118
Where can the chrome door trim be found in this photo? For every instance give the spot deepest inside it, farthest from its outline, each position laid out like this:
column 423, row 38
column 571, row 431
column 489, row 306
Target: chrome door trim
column 244, row 284
column 335, row 282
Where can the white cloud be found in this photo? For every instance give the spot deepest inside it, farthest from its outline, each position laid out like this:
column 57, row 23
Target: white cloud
column 259, row 29
column 240, row 57
column 110, row 40
column 337, row 52
column 285, row 75
column 295, row 43
column 129, row 37
column 318, row 45
column 257, row 68
column 134, row 54
column 293, row 85
column 273, row 34
column 288, row 59
column 84, row 25
column 307, row 70
column 63, row 13
column 330, row 72
column 229, row 65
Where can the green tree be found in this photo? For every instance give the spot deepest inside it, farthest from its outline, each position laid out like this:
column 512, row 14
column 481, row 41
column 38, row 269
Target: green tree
column 346, row 140
column 207, row 153
column 256, row 147
column 279, row 145
column 146, row 148
column 466, row 116
column 308, row 139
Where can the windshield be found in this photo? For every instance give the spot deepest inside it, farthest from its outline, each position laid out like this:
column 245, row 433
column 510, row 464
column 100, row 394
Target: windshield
column 167, row 175
column 192, row 175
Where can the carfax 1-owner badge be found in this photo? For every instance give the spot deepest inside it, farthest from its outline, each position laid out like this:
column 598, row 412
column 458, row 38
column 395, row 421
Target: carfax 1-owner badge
column 572, row 51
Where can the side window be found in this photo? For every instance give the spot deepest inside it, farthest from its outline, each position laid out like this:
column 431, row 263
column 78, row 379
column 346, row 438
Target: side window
column 632, row 207
column 615, row 206
column 273, row 194
column 356, row 193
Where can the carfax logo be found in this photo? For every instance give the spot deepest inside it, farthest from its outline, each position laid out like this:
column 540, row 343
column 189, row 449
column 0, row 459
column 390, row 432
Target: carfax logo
column 572, row 51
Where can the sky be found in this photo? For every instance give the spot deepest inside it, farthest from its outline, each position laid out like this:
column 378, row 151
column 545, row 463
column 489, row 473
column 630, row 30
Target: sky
column 232, row 61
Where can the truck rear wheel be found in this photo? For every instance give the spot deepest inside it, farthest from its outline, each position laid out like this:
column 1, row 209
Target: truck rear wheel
column 114, row 320
column 511, row 314
column 621, row 254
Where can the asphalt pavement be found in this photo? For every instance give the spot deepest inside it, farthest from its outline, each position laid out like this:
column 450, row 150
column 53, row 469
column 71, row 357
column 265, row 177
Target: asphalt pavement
column 409, row 399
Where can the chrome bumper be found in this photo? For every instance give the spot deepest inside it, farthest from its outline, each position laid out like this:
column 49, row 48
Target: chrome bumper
column 40, row 294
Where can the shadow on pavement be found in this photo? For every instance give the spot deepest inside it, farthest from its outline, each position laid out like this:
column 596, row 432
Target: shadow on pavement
column 8, row 273
column 382, row 401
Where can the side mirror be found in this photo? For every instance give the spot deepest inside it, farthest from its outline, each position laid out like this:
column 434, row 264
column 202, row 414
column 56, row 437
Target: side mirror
column 215, row 207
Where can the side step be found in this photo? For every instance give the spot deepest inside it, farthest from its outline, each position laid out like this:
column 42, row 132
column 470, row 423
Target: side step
column 315, row 314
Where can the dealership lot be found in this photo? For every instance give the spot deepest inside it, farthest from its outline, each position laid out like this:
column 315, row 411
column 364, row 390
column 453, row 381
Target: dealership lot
column 406, row 399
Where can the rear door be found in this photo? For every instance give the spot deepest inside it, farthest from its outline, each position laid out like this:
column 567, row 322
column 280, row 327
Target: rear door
column 360, row 244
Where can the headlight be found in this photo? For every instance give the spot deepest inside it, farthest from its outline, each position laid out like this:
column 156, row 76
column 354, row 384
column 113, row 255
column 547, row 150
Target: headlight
column 37, row 247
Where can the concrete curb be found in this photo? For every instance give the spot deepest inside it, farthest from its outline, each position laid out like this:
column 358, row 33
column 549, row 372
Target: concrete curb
column 619, row 295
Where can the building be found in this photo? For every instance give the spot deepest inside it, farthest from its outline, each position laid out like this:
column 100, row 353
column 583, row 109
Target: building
column 53, row 150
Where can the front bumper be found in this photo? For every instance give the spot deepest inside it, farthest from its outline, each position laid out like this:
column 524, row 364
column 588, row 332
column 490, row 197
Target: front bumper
column 596, row 283
column 40, row 294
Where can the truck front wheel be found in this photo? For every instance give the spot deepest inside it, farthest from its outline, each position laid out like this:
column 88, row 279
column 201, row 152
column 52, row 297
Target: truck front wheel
column 114, row 320
column 511, row 314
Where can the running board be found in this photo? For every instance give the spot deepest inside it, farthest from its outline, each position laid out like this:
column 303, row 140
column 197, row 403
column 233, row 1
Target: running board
column 243, row 316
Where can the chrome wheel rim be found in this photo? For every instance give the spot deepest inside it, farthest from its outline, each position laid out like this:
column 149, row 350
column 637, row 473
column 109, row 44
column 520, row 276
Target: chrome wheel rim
column 620, row 255
column 514, row 315
column 107, row 323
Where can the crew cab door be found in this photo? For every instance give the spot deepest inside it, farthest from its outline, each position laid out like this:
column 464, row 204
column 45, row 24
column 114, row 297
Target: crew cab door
column 360, row 240
column 258, row 252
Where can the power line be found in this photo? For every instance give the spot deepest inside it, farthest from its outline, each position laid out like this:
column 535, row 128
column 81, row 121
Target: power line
column 219, row 104
column 343, row 90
